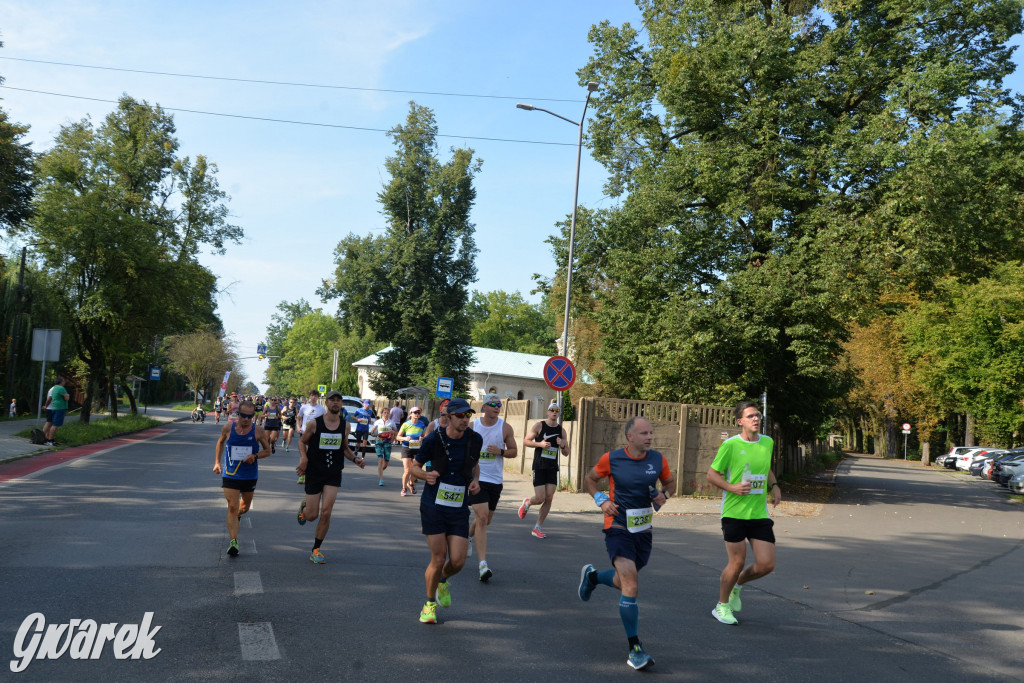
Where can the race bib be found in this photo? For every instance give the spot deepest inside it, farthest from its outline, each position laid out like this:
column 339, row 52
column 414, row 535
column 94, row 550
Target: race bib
column 484, row 455
column 414, row 444
column 758, row 483
column 237, row 454
column 330, row 442
column 450, row 495
column 362, row 420
column 639, row 519
column 549, row 453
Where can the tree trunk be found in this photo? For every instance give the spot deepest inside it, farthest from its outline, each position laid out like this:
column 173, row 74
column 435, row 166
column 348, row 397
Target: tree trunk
column 90, row 396
column 111, row 396
column 126, row 388
column 969, row 431
column 926, row 453
column 892, row 447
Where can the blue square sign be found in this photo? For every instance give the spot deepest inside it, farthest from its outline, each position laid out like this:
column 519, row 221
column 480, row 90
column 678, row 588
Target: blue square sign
column 444, row 387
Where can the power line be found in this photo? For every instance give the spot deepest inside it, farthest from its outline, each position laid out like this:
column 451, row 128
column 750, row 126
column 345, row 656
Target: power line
column 290, row 121
column 289, row 83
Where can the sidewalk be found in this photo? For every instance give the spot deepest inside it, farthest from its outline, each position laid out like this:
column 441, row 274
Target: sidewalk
column 16, row 447
column 519, row 486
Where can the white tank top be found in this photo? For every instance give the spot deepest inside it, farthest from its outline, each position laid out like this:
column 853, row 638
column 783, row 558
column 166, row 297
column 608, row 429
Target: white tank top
column 492, row 466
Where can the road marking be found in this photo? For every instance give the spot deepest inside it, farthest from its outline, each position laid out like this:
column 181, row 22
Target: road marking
column 253, row 541
column 248, row 583
column 257, row 641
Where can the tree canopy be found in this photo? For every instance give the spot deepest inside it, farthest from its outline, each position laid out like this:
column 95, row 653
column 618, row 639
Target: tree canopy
column 120, row 218
column 410, row 285
column 782, row 168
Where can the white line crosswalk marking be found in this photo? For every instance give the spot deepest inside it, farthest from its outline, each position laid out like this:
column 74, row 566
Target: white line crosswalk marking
column 248, row 583
column 257, row 641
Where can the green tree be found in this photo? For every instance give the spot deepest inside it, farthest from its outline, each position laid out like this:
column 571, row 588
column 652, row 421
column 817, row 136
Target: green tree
column 281, row 322
column 409, row 285
column 202, row 357
column 504, row 320
column 778, row 168
column 307, row 355
column 117, row 250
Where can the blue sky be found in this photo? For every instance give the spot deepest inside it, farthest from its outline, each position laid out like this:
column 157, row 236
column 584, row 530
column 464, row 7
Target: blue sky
column 296, row 190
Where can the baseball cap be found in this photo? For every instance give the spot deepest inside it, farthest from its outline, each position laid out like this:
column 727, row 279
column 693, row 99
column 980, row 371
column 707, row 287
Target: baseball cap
column 459, row 405
column 332, row 394
column 366, row 401
column 492, row 397
column 553, row 405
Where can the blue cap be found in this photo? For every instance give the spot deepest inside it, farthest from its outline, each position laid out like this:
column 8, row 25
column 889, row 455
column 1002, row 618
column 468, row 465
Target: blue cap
column 458, row 405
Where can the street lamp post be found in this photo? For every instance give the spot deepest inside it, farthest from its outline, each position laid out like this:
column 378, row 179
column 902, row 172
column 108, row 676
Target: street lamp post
column 591, row 87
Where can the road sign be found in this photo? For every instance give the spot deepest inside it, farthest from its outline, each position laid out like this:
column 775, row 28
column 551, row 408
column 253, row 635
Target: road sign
column 559, row 373
column 46, row 345
column 322, row 388
column 906, row 426
column 154, row 373
column 444, row 387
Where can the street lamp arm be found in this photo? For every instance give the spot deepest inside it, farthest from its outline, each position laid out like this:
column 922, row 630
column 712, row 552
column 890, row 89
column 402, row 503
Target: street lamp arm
column 530, row 107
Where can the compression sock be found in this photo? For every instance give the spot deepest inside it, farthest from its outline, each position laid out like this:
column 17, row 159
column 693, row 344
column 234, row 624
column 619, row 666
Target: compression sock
column 630, row 613
column 317, row 542
column 607, row 577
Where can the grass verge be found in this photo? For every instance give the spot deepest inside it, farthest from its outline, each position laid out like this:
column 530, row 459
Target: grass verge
column 208, row 407
column 78, row 434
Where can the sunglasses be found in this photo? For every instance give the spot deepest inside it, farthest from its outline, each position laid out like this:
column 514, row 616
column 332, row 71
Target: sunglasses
column 460, row 415
column 247, row 416
column 493, row 404
column 554, row 410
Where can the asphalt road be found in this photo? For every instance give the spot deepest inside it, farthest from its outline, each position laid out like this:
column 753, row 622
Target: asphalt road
column 911, row 575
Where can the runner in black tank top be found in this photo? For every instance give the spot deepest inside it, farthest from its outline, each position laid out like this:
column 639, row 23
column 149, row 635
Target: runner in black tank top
column 547, row 438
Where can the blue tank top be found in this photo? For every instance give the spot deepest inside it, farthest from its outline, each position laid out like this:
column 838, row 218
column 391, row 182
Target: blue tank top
column 237, row 449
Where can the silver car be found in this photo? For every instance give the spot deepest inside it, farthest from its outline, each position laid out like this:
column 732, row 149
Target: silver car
column 1016, row 483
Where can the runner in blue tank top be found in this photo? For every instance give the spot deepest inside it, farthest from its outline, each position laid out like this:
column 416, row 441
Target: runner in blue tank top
column 240, row 445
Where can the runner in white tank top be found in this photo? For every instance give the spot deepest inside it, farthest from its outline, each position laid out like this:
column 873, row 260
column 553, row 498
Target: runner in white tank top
column 499, row 442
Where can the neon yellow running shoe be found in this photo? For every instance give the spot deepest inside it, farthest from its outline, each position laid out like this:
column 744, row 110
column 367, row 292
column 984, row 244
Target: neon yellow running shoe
column 735, row 604
column 428, row 615
column 444, row 594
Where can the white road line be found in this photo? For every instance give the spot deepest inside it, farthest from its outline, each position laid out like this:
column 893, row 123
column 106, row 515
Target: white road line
column 253, row 541
column 257, row 641
column 248, row 583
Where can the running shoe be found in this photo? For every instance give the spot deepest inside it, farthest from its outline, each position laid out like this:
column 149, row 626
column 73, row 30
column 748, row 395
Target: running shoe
column 444, row 594
column 723, row 613
column 638, row 659
column 524, row 508
column 412, row 490
column 317, row 557
column 302, row 480
column 233, row 547
column 404, row 493
column 735, row 604
column 485, row 573
column 273, row 449
column 380, row 482
column 586, row 587
column 285, row 449
column 428, row 615
column 301, row 517
column 537, row 533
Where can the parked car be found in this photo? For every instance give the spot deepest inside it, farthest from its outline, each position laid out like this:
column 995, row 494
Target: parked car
column 944, row 459
column 1005, row 469
column 1016, row 483
column 979, row 460
column 964, row 460
column 1006, row 455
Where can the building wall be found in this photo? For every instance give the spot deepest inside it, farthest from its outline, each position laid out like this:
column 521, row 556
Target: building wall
column 509, row 388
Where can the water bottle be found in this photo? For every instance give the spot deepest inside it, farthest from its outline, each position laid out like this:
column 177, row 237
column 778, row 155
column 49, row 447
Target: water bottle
column 654, row 494
column 745, row 477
